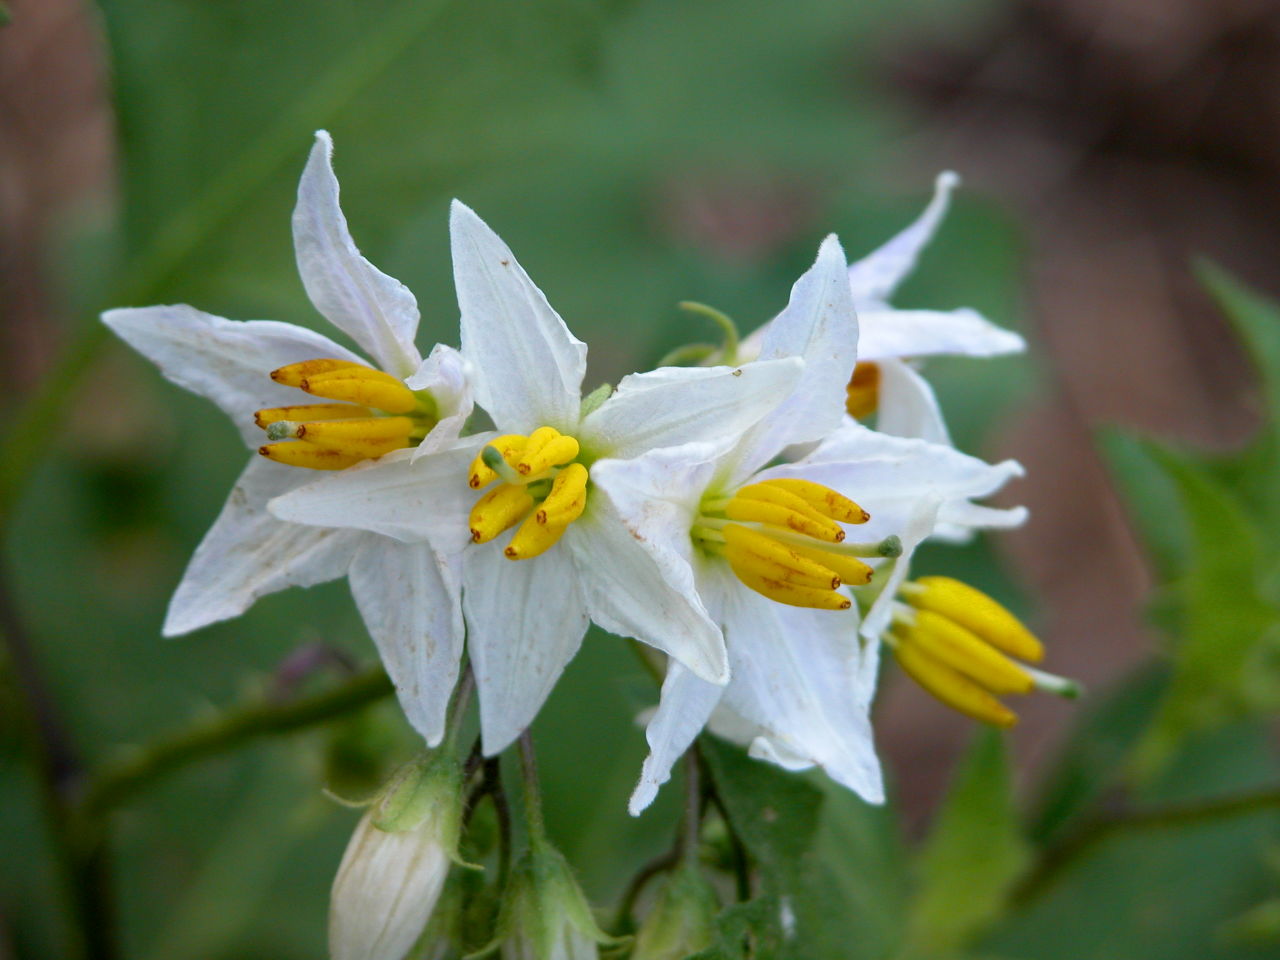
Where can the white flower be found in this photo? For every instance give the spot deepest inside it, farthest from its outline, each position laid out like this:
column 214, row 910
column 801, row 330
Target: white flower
column 765, row 550
column 256, row 372
column 574, row 560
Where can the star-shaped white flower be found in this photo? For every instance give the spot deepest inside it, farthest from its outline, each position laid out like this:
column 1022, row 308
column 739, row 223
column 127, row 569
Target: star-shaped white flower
column 528, row 595
column 256, row 372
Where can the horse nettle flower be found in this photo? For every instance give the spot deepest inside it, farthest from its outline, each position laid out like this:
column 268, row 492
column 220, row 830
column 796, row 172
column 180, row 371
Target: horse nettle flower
column 682, row 919
column 396, row 863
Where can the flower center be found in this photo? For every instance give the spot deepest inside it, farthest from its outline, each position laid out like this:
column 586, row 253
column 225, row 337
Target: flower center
column 958, row 644
column 376, row 414
column 782, row 539
column 541, row 485
column 862, row 395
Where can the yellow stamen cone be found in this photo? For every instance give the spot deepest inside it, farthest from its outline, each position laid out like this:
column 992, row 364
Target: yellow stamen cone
column 824, row 500
column 532, row 539
column 537, row 440
column 567, row 499
column 792, row 594
column 947, row 641
column 370, row 437
column 862, row 395
column 748, row 550
column 850, row 570
column 554, row 452
column 309, row 411
column 510, row 445
column 758, row 511
column 296, row 453
column 390, row 394
column 977, row 612
column 954, row 689
column 293, row 374
column 499, row 509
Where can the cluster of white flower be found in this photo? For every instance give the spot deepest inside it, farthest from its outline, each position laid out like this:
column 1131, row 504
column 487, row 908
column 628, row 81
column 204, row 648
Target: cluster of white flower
column 700, row 510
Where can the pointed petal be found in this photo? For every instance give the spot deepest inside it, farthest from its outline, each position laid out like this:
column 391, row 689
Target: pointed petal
column 227, row 361
column 923, row 333
column 375, row 310
column 248, row 554
column 410, row 599
column 634, row 553
column 818, row 325
column 683, row 711
column 396, row 496
column 677, row 405
column 444, row 374
column 528, row 366
column 877, row 275
column 908, row 406
column 525, row 621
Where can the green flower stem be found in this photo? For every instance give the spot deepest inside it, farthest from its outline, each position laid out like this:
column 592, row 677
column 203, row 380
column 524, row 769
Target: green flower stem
column 691, row 830
column 729, row 351
column 532, row 793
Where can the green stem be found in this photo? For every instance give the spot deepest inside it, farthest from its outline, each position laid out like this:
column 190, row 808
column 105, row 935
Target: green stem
column 729, row 351
column 532, row 793
column 691, row 830
column 115, row 783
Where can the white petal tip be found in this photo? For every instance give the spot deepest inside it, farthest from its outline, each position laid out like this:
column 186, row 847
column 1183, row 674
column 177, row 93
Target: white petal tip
column 831, row 249
column 947, row 180
column 645, row 792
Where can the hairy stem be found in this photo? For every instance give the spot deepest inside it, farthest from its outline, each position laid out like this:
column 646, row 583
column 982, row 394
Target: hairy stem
column 532, row 792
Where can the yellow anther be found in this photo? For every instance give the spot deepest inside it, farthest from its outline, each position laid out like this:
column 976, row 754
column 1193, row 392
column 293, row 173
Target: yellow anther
column 824, row 500
column 977, row 612
column 293, row 374
column 862, row 395
column 567, row 499
column 545, row 451
column 748, row 550
column 499, row 509
column 806, row 521
column 792, row 594
column 296, row 453
column 369, row 388
column 946, row 641
column 532, row 539
column 850, row 570
column 369, row 437
column 309, row 411
column 952, row 688
column 510, row 445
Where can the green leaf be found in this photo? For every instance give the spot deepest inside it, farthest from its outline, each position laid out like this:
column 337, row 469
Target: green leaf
column 1257, row 320
column 973, row 855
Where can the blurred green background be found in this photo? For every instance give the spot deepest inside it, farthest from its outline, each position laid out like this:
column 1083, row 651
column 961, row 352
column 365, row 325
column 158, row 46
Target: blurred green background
column 633, row 153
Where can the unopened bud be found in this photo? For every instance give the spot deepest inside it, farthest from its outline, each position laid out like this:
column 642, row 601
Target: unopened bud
column 682, row 920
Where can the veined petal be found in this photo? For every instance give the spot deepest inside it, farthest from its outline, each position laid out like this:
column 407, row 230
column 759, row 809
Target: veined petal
column 444, row 373
column 410, row 599
column 227, row 361
column 525, row 621
column 686, row 705
column 820, row 326
column 877, row 275
column 528, row 366
column 678, row 405
column 376, row 310
column 908, row 405
column 247, row 554
column 887, row 332
column 633, row 552
column 396, row 496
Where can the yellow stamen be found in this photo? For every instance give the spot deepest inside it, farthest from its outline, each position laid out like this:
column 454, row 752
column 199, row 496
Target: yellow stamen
column 510, row 445
column 946, row 641
column 748, row 550
column 533, row 539
column 546, row 450
column 824, row 500
column 792, row 594
column 370, row 388
column 369, row 437
column 309, row 411
column 806, row 522
column 567, row 499
column 293, row 374
column 977, row 612
column 296, row 453
column 862, row 396
column 952, row 688
column 850, row 570
column 499, row 509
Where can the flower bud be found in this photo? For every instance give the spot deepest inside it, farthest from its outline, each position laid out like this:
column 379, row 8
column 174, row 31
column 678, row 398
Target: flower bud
column 396, row 863
column 682, row 920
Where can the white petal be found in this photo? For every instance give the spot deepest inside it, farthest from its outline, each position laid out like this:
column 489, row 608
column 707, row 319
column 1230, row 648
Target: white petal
column 907, row 405
column 686, row 705
column 444, row 374
column 410, row 599
column 633, row 551
column 913, row 531
column 227, row 361
column 247, row 553
column 396, row 496
column 677, row 405
column 525, row 622
column 528, row 366
column 886, row 332
column 727, row 724
column 818, row 325
column 877, row 275
column 376, row 310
